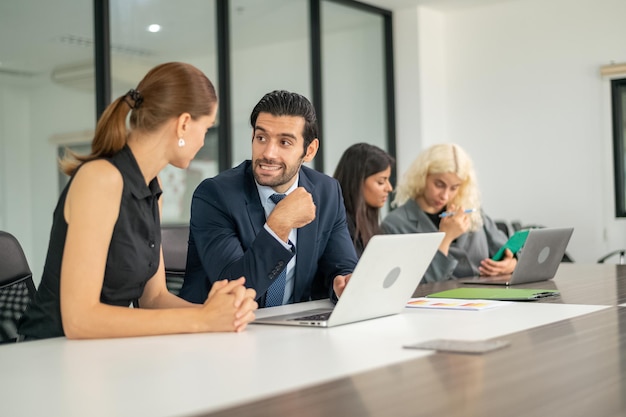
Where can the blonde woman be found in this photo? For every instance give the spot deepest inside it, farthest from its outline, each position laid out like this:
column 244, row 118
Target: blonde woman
column 439, row 192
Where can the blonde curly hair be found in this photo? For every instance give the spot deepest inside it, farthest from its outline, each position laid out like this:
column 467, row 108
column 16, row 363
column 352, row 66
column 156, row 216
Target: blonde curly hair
column 441, row 159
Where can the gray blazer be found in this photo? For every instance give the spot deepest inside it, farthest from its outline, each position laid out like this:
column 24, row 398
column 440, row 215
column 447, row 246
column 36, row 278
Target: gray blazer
column 465, row 252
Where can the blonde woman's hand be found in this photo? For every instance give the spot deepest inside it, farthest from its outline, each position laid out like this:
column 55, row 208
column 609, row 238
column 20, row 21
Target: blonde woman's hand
column 455, row 225
column 505, row 266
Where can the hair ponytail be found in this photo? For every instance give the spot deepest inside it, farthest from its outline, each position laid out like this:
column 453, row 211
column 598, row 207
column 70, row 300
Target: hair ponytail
column 167, row 91
column 109, row 139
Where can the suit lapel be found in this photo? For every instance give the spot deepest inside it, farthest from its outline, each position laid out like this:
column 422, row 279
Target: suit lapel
column 419, row 217
column 306, row 250
column 256, row 214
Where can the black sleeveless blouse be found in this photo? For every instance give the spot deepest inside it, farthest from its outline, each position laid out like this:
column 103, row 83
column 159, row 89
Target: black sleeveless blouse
column 133, row 257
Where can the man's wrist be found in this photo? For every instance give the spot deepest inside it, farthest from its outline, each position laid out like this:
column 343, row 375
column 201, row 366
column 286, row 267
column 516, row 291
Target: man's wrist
column 285, row 242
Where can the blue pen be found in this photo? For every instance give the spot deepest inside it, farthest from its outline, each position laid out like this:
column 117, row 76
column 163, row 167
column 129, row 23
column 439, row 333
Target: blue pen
column 452, row 213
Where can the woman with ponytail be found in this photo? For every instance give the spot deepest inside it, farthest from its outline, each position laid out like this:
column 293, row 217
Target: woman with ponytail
column 104, row 253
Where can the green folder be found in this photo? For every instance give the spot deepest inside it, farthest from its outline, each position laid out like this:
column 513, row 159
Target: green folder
column 504, row 294
column 514, row 244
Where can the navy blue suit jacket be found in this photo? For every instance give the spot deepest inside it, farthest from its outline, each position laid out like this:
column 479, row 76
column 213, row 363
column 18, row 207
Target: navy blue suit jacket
column 227, row 238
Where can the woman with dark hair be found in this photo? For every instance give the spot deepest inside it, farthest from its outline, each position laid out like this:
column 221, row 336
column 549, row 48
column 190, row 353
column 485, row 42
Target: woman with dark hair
column 363, row 172
column 104, row 253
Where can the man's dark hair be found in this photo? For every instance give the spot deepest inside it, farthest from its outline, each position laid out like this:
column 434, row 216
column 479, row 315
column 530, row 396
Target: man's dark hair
column 284, row 103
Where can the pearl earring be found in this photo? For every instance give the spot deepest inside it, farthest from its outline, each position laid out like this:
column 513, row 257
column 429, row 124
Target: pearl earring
column 181, row 142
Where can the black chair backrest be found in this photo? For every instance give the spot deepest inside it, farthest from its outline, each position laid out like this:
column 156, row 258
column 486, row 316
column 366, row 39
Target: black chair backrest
column 174, row 240
column 13, row 264
column 502, row 225
column 16, row 286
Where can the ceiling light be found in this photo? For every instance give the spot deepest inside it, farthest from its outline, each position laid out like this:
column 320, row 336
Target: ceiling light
column 154, row 28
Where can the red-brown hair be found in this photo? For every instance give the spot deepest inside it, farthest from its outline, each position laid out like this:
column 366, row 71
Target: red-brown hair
column 167, row 91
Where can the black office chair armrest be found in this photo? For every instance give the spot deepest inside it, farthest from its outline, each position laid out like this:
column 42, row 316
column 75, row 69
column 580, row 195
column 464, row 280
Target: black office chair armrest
column 621, row 253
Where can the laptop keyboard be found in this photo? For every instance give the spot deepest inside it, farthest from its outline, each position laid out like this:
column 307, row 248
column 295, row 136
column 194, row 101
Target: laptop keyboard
column 314, row 317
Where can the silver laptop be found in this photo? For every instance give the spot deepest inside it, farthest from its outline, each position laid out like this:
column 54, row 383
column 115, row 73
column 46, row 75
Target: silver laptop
column 383, row 281
column 538, row 260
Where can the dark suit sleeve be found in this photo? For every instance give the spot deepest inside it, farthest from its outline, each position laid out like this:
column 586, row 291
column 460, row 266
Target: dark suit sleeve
column 226, row 243
column 339, row 256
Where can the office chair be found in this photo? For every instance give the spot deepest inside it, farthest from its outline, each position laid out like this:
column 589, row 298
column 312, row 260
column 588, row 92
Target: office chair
column 620, row 252
column 174, row 240
column 516, row 225
column 502, row 225
column 16, row 286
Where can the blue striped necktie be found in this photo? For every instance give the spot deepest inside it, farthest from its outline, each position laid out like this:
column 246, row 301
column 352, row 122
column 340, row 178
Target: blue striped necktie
column 276, row 291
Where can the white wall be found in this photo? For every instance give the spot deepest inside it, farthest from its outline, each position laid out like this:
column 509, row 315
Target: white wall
column 15, row 175
column 407, row 83
column 353, row 87
column 523, row 95
column 257, row 71
column 55, row 110
column 432, row 75
column 31, row 112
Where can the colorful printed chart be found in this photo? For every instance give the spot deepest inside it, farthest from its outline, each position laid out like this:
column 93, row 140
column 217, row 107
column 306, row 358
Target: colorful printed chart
column 455, row 304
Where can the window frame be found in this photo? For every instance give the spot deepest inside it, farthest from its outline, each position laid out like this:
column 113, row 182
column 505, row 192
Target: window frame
column 225, row 152
column 618, row 93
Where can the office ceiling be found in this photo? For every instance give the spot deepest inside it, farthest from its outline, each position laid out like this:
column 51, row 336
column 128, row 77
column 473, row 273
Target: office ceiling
column 43, row 37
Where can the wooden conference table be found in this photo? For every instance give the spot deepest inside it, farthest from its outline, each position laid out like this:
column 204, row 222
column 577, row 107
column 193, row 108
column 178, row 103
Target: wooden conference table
column 567, row 357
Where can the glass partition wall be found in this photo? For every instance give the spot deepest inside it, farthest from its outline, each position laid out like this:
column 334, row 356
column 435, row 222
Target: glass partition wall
column 335, row 52
column 269, row 51
column 353, row 80
column 144, row 34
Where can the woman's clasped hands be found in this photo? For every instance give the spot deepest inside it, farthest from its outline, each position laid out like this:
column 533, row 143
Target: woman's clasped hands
column 230, row 306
